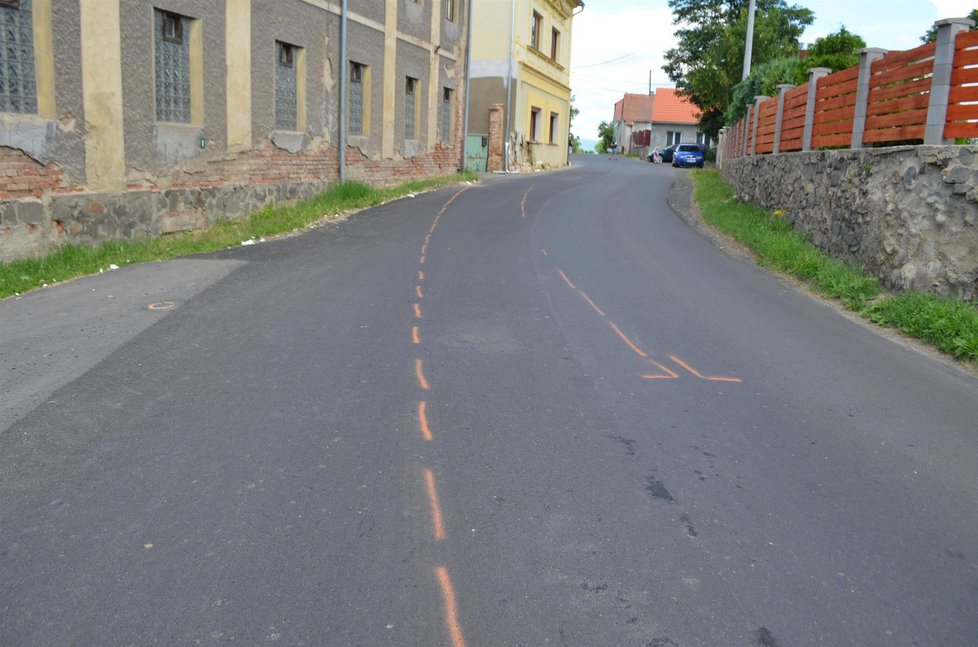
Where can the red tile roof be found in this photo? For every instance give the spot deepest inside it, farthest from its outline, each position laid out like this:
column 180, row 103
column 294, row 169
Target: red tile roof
column 636, row 108
column 670, row 108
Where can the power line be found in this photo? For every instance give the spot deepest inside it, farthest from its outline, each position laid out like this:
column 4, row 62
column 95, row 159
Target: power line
column 614, row 60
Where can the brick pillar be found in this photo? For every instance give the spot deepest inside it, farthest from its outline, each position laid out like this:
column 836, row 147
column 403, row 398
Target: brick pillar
column 496, row 133
column 940, row 84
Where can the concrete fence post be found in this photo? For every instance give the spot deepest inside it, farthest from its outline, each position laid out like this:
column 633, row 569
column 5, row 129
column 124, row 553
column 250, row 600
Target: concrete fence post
column 758, row 100
column 814, row 74
column 721, row 146
column 747, row 123
column 783, row 89
column 867, row 57
column 940, row 82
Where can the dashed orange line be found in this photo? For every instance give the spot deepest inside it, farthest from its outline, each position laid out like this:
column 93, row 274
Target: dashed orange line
column 567, row 280
column 692, row 370
column 420, row 275
column 424, row 248
column 628, row 341
column 545, row 252
column 415, row 337
column 417, row 310
column 591, row 303
column 451, row 611
column 670, row 375
column 419, row 291
column 423, row 416
column 439, row 526
column 419, row 372
column 422, row 259
column 523, row 202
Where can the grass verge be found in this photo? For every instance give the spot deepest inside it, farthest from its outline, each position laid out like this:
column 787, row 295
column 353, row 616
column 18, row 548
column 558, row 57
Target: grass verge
column 947, row 324
column 71, row 261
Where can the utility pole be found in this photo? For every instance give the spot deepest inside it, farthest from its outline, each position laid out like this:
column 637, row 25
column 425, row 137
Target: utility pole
column 750, row 40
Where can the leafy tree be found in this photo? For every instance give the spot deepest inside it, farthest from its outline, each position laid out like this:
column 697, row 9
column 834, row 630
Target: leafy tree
column 837, row 51
column 931, row 35
column 606, row 135
column 575, row 141
column 707, row 62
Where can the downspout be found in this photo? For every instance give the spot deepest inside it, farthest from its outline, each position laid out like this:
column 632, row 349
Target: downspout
column 509, row 86
column 343, row 90
column 468, row 86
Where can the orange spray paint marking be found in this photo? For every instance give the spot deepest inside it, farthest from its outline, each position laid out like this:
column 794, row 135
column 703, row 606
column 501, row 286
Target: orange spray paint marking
column 592, row 304
column 424, row 248
column 628, row 341
column 669, row 375
column 417, row 310
column 567, row 280
column 419, row 372
column 523, row 202
column 420, row 275
column 415, row 337
column 451, row 612
column 545, row 252
column 421, row 261
column 420, row 293
column 422, row 414
column 439, row 526
column 692, row 370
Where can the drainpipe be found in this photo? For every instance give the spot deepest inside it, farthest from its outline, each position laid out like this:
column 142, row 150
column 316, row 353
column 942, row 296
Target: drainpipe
column 468, row 85
column 509, row 86
column 343, row 72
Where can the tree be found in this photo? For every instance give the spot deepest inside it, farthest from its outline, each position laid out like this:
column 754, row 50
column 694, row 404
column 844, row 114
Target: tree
column 931, row 35
column 707, row 62
column 837, row 51
column 606, row 135
column 575, row 141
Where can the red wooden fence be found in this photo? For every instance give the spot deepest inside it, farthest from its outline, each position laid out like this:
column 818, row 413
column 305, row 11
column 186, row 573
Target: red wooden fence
column 793, row 120
column 899, row 93
column 963, row 99
column 767, row 117
column 835, row 106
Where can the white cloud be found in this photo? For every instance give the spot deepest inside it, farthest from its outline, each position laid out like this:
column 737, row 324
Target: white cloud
column 952, row 8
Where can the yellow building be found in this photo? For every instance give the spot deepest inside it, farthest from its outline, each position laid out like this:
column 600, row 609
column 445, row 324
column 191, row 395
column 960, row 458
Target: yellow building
column 520, row 77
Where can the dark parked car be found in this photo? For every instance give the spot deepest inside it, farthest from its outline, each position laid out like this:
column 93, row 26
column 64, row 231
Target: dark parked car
column 666, row 153
column 689, row 155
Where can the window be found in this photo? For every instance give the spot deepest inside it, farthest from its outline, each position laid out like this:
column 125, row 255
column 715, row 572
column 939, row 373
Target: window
column 554, row 44
column 446, row 115
column 286, row 87
column 172, row 68
column 701, row 139
column 534, row 124
column 553, row 127
column 536, row 24
column 18, row 83
column 672, row 137
column 358, row 96
column 410, row 108
column 450, row 10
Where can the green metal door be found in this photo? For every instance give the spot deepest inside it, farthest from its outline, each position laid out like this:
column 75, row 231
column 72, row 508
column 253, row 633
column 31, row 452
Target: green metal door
column 476, row 153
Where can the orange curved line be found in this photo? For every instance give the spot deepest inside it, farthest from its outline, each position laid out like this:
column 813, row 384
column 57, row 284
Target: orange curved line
column 424, row 248
column 423, row 415
column 545, row 252
column 670, row 375
column 417, row 310
column 420, row 293
column 451, row 611
column 422, row 259
column 439, row 526
column 628, row 341
column 567, row 280
column 592, row 304
column 420, row 275
column 419, row 372
column 692, row 370
column 415, row 337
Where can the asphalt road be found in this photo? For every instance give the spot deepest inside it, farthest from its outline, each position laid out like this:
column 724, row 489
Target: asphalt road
column 540, row 410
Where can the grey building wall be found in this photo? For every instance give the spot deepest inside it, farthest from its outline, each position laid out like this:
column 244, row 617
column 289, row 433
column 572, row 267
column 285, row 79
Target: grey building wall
column 414, row 62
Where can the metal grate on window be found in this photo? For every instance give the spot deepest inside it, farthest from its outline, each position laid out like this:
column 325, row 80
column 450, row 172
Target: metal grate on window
column 18, row 84
column 446, row 116
column 356, row 99
column 172, row 68
column 286, row 87
column 410, row 108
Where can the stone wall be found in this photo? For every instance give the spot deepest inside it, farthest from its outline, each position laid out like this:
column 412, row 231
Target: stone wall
column 909, row 215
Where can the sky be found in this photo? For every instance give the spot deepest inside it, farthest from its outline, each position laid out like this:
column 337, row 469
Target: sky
column 617, row 42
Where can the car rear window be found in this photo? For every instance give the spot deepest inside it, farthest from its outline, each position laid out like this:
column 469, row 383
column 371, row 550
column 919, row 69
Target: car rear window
column 689, row 148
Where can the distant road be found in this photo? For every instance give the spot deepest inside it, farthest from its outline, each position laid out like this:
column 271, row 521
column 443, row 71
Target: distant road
column 541, row 410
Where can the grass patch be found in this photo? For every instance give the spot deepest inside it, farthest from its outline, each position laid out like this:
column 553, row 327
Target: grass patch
column 948, row 324
column 71, row 261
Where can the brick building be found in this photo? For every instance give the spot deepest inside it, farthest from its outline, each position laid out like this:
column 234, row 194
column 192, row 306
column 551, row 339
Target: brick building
column 123, row 118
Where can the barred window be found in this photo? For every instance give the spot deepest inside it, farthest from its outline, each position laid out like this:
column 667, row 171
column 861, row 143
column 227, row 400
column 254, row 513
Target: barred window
column 18, row 84
column 356, row 98
column 286, row 87
column 446, row 115
column 410, row 108
column 172, row 68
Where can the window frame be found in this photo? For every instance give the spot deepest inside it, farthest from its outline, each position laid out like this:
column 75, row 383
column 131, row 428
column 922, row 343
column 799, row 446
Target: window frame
column 450, row 10
column 554, row 126
column 411, row 95
column 536, row 26
column 554, row 44
column 535, row 125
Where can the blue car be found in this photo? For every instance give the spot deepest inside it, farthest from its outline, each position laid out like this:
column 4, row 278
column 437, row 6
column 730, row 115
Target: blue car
column 689, row 155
